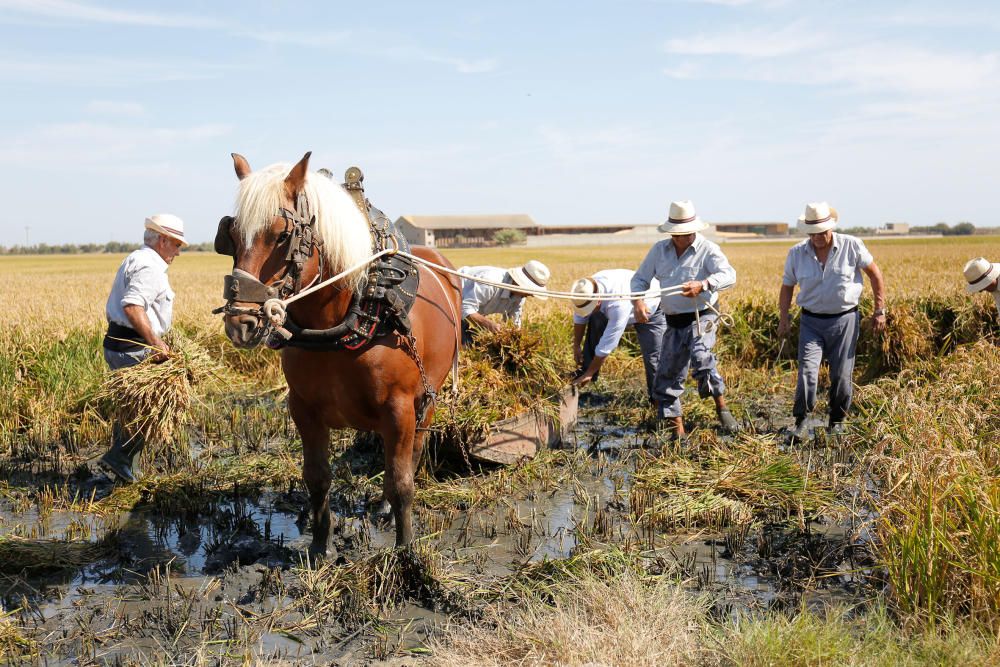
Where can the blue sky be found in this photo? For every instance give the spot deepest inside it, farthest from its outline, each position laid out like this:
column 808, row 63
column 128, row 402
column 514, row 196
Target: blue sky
column 572, row 112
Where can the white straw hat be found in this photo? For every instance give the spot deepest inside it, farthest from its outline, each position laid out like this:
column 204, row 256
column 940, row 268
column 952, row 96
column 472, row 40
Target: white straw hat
column 533, row 275
column 683, row 219
column 819, row 217
column 168, row 225
column 980, row 274
column 585, row 287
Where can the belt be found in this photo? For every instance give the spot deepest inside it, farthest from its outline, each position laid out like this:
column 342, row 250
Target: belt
column 681, row 320
column 827, row 316
column 123, row 339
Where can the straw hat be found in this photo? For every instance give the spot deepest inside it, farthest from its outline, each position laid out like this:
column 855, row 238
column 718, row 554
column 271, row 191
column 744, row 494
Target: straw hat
column 167, row 225
column 682, row 220
column 980, row 274
column 819, row 217
column 585, row 287
column 533, row 275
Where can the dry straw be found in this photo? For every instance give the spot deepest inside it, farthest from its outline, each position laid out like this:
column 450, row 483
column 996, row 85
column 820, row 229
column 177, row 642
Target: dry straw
column 154, row 399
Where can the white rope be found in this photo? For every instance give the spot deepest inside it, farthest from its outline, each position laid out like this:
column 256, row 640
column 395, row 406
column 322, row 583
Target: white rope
column 274, row 309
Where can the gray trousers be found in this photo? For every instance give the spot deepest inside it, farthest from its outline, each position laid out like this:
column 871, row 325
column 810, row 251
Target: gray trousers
column 121, row 436
column 680, row 350
column 836, row 339
column 118, row 360
column 649, row 334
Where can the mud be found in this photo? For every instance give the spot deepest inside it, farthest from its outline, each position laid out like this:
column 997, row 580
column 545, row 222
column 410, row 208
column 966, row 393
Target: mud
column 229, row 581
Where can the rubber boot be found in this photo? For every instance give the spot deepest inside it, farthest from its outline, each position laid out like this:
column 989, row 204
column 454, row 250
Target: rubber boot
column 729, row 424
column 801, row 431
column 123, row 455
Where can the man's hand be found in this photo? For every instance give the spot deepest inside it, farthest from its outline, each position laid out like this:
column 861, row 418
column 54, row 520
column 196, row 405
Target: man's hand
column 784, row 326
column 578, row 356
column 878, row 323
column 583, row 379
column 693, row 288
column 641, row 312
column 163, row 351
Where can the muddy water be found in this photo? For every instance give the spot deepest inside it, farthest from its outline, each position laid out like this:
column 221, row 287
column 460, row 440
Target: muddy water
column 236, row 558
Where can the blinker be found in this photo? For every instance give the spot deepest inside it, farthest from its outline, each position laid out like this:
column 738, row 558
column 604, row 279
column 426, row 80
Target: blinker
column 224, row 244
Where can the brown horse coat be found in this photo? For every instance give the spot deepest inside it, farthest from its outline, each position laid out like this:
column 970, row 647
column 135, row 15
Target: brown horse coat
column 375, row 388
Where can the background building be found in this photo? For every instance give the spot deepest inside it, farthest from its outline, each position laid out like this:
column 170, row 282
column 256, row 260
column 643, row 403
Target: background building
column 457, row 231
column 894, row 228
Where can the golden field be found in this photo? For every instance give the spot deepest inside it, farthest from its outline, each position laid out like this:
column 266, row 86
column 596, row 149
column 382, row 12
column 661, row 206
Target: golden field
column 912, row 492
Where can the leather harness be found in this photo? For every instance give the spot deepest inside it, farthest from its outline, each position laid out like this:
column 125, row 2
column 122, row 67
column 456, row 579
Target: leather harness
column 381, row 307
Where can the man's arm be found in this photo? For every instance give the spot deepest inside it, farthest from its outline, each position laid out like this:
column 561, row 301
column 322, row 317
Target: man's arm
column 641, row 280
column 578, row 331
column 784, row 305
column 140, row 322
column 878, row 291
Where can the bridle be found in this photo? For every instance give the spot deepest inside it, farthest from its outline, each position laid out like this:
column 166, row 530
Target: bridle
column 240, row 286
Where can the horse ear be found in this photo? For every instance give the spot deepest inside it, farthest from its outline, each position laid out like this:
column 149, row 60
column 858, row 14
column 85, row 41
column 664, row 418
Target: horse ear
column 296, row 179
column 241, row 165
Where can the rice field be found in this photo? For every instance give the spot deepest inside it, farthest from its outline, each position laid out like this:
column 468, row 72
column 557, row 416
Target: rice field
column 877, row 548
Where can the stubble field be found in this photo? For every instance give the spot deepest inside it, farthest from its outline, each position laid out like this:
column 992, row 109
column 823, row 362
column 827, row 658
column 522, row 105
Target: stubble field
column 878, row 548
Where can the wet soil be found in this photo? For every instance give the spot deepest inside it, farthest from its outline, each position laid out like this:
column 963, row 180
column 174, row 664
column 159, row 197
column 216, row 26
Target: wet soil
column 225, row 580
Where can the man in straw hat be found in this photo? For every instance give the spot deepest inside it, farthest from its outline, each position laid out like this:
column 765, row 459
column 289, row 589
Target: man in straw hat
column 983, row 275
column 598, row 325
column 827, row 267
column 139, row 312
column 689, row 260
column 480, row 299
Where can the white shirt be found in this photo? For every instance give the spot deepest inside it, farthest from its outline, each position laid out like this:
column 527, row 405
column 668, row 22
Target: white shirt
column 835, row 287
column 620, row 312
column 703, row 260
column 487, row 299
column 142, row 281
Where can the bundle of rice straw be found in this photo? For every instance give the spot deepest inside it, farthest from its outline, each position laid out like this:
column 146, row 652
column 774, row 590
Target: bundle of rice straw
column 503, row 374
column 154, row 399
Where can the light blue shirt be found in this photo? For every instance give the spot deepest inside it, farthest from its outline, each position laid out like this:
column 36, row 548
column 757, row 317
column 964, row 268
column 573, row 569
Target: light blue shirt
column 703, row 260
column 142, row 281
column 835, row 287
column 619, row 312
column 487, row 299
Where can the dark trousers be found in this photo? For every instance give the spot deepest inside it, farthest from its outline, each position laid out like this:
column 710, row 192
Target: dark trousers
column 836, row 339
column 649, row 334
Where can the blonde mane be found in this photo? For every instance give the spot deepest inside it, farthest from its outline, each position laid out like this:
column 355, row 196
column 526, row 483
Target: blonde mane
column 342, row 227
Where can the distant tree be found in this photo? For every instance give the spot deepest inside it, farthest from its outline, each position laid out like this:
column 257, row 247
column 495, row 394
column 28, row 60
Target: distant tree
column 506, row 237
column 963, row 229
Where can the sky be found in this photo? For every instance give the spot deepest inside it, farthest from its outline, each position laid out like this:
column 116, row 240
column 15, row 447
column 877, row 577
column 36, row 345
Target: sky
column 572, row 112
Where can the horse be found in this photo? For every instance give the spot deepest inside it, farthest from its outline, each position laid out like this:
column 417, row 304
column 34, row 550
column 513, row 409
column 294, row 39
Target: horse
column 386, row 386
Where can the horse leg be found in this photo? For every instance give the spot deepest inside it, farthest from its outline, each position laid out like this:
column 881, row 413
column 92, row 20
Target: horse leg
column 398, row 435
column 316, row 471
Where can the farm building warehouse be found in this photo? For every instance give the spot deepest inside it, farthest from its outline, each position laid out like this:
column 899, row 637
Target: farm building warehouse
column 447, row 231
column 452, row 231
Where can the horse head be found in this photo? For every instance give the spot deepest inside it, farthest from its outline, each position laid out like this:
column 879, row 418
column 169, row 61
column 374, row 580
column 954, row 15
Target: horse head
column 276, row 238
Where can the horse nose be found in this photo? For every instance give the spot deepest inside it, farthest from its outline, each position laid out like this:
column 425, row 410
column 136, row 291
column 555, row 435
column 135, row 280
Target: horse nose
column 241, row 330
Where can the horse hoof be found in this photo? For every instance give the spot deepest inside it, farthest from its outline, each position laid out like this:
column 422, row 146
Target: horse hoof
column 317, row 554
column 383, row 512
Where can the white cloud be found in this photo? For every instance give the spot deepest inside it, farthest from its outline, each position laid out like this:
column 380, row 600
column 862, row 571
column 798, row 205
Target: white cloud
column 89, row 71
column 100, row 144
column 759, row 43
column 63, row 10
column 113, row 108
column 312, row 39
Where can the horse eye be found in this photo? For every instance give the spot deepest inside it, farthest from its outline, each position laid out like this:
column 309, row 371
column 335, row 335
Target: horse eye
column 284, row 236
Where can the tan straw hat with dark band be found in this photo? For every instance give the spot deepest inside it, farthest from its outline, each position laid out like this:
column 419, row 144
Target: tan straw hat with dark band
column 682, row 220
column 818, row 218
column 533, row 275
column 585, row 287
column 980, row 274
column 168, row 225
